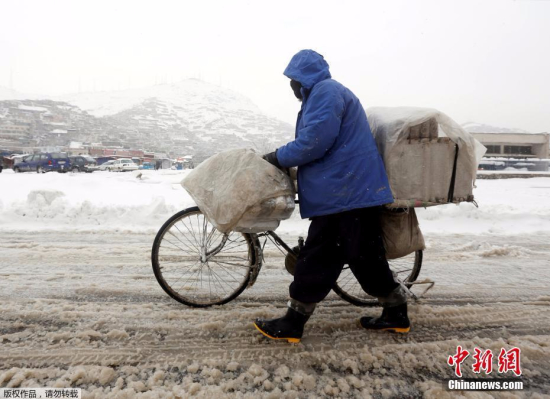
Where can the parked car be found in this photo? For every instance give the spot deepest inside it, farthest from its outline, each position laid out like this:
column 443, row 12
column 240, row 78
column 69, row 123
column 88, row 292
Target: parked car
column 7, row 162
column 13, row 159
column 106, row 165
column 123, row 165
column 83, row 163
column 147, row 165
column 491, row 165
column 45, row 162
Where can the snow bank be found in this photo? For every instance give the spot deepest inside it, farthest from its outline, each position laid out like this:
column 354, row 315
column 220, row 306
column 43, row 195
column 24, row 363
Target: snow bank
column 508, row 206
column 101, row 200
column 106, row 201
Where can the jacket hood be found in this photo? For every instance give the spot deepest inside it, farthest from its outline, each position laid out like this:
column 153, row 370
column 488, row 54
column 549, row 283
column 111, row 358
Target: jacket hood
column 307, row 67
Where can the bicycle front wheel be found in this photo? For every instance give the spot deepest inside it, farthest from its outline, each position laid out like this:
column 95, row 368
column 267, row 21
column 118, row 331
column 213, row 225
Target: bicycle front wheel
column 348, row 288
column 199, row 266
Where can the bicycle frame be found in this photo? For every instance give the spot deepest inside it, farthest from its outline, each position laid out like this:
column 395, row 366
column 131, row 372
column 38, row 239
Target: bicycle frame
column 279, row 242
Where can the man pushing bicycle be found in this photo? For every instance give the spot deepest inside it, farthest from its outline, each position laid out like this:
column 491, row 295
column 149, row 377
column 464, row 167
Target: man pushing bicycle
column 342, row 185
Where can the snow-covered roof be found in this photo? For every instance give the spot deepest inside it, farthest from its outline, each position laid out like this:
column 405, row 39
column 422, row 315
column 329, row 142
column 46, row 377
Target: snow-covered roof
column 474, row 127
column 29, row 108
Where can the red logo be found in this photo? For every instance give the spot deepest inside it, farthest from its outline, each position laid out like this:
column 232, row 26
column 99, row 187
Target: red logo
column 484, row 361
column 507, row 361
column 457, row 359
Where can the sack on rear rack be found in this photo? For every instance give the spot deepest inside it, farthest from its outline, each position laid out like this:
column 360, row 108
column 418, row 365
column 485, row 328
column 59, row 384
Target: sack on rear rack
column 429, row 158
column 238, row 190
column 401, row 233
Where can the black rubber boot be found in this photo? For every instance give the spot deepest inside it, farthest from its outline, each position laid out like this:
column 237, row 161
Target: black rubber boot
column 289, row 327
column 392, row 319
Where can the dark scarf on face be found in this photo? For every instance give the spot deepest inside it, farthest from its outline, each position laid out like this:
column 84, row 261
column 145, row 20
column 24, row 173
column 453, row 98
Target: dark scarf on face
column 296, row 87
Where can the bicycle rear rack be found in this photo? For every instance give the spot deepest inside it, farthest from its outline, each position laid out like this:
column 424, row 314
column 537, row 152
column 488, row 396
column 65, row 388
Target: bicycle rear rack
column 430, row 284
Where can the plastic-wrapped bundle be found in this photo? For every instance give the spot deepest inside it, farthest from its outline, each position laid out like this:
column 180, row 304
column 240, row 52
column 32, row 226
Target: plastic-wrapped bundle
column 429, row 158
column 238, row 190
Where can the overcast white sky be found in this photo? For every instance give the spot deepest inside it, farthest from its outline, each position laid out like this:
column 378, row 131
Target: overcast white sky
column 483, row 61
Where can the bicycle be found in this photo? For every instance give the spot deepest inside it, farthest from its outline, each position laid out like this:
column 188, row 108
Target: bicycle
column 198, row 266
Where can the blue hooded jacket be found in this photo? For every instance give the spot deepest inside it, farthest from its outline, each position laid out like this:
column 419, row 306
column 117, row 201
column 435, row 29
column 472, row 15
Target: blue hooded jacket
column 339, row 167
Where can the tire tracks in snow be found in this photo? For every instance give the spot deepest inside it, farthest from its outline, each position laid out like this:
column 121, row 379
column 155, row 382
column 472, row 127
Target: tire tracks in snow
column 98, row 304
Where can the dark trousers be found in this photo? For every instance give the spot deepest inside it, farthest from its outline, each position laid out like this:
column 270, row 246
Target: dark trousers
column 353, row 238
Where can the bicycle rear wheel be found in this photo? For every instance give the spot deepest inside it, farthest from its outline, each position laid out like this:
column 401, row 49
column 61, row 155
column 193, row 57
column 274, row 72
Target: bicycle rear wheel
column 199, row 266
column 348, row 288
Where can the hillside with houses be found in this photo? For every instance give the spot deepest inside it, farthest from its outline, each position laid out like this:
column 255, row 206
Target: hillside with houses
column 189, row 118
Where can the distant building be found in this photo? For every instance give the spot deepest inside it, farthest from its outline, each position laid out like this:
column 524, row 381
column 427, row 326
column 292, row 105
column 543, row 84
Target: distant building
column 10, row 130
column 515, row 145
column 59, row 132
column 114, row 152
column 523, row 151
column 77, row 148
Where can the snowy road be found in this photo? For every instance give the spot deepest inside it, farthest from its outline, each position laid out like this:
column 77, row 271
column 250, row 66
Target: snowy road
column 83, row 309
column 80, row 306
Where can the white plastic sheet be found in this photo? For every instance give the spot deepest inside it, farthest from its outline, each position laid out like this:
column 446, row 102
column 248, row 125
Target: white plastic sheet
column 238, row 190
column 418, row 149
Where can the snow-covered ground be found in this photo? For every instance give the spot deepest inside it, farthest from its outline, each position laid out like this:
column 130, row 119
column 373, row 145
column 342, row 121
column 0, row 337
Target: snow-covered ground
column 96, row 201
column 143, row 200
column 80, row 306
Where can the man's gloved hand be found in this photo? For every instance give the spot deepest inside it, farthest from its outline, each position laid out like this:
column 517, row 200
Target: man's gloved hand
column 272, row 159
